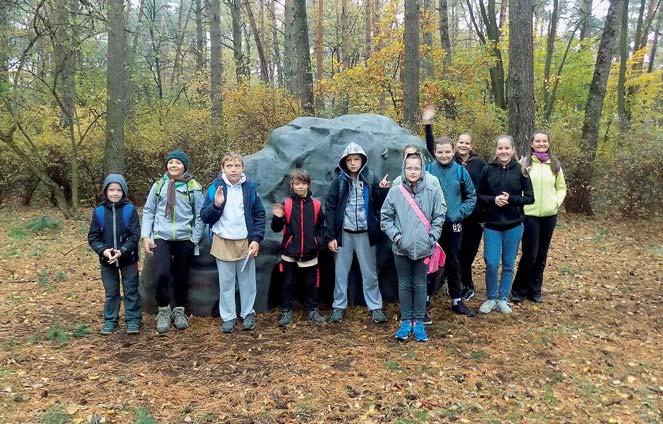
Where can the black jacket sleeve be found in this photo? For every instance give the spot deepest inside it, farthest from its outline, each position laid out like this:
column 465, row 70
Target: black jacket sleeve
column 95, row 237
column 278, row 223
column 483, row 192
column 320, row 228
column 331, row 204
column 430, row 140
column 527, row 198
column 131, row 243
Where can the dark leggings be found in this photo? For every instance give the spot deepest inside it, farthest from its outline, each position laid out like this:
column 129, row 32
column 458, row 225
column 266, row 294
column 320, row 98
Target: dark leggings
column 452, row 235
column 309, row 276
column 172, row 258
column 537, row 235
column 469, row 246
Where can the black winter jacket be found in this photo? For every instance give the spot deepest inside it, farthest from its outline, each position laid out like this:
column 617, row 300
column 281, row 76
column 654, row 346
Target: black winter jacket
column 495, row 179
column 115, row 234
column 474, row 166
column 303, row 234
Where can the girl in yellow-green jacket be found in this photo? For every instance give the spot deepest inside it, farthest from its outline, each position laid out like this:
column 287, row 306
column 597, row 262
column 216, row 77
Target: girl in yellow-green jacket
column 547, row 177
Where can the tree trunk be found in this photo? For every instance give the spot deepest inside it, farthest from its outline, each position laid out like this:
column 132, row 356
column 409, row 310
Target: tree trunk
column 290, row 48
column 264, row 71
column 521, row 72
column 116, row 78
column 200, row 52
column 319, row 59
column 411, row 65
column 580, row 199
column 182, row 23
column 586, row 17
column 216, row 70
column 276, row 42
column 236, row 24
column 445, row 41
column 345, row 43
column 4, row 48
column 493, row 34
column 638, row 28
column 551, row 104
column 503, row 12
column 550, row 50
column 368, row 36
column 654, row 46
column 304, row 58
column 622, row 113
column 426, row 60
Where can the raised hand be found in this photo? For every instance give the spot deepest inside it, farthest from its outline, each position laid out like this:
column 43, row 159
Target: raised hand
column 428, row 115
column 278, row 210
column 219, row 198
column 384, row 182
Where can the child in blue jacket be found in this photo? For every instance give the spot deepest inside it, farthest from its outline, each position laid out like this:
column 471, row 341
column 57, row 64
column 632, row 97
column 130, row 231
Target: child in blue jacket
column 236, row 216
column 114, row 234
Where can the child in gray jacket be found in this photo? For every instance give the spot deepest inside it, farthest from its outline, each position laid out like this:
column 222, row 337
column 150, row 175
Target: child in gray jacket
column 413, row 240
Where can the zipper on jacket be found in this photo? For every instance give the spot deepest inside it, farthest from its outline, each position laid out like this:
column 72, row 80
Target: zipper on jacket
column 114, row 227
column 356, row 205
column 301, row 225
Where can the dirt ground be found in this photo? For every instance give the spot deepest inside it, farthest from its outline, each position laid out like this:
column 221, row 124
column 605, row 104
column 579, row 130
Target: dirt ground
column 591, row 353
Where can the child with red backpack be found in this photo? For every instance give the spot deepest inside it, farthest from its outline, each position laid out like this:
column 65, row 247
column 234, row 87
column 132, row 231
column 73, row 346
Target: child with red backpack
column 114, row 233
column 302, row 221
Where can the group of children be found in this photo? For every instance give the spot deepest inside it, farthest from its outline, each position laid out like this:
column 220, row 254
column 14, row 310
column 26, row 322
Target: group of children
column 453, row 201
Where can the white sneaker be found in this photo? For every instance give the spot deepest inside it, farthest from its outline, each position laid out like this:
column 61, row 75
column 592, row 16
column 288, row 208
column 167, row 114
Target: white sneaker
column 488, row 306
column 503, row 307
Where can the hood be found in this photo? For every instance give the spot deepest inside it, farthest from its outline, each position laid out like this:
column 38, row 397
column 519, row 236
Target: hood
column 116, row 178
column 352, row 149
column 242, row 179
column 423, row 168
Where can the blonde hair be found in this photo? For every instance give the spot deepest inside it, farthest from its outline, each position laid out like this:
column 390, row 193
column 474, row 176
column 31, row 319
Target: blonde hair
column 231, row 156
column 523, row 170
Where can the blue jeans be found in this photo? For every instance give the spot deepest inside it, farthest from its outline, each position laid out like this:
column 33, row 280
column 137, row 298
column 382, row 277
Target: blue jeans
column 502, row 244
column 411, row 287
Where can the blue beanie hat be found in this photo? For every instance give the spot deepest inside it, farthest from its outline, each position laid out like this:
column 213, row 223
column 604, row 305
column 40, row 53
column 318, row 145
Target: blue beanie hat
column 180, row 156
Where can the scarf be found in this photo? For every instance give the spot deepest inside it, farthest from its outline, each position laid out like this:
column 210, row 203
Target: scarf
column 542, row 156
column 171, row 197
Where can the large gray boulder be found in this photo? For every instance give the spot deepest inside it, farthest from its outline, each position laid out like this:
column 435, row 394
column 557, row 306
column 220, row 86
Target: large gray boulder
column 316, row 145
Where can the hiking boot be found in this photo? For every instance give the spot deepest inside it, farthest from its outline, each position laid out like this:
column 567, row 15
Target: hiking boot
column 133, row 328
column 488, row 306
column 286, row 318
column 108, row 328
column 503, row 307
column 378, row 316
column 427, row 318
column 536, row 298
column 249, row 322
column 180, row 320
column 467, row 294
column 228, row 326
column 315, row 317
column 404, row 331
column 516, row 298
column 460, row 309
column 163, row 319
column 419, row 331
column 336, row 315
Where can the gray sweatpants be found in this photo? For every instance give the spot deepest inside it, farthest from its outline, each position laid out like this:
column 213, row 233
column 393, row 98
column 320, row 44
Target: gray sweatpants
column 356, row 243
column 230, row 276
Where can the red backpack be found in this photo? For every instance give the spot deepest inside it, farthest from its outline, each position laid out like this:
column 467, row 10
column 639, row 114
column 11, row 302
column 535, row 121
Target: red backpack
column 288, row 210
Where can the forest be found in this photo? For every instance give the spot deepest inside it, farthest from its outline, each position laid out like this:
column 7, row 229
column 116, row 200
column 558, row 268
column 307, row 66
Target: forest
column 89, row 87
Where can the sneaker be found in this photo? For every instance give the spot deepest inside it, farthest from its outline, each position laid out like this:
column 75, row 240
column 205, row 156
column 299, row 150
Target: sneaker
column 163, row 319
column 427, row 318
column 404, row 331
column 180, row 320
column 249, row 322
column 228, row 326
column 503, row 307
column 378, row 316
column 108, row 328
column 488, row 306
column 286, row 318
column 419, row 331
column 133, row 328
column 336, row 315
column 536, row 298
column 467, row 294
column 516, row 298
column 316, row 317
column 460, row 309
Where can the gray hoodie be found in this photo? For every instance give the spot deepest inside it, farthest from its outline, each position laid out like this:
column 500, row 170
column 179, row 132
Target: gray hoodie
column 401, row 224
column 185, row 222
column 355, row 210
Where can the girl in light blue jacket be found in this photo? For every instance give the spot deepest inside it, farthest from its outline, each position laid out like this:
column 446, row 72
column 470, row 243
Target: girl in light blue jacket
column 413, row 240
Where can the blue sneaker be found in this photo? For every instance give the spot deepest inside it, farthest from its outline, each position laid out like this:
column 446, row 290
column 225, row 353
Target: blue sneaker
column 404, row 331
column 419, row 331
